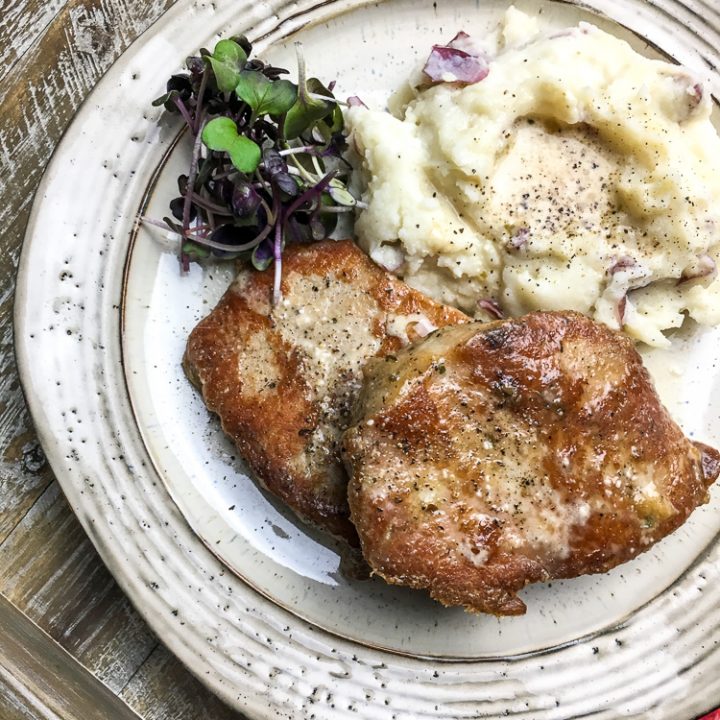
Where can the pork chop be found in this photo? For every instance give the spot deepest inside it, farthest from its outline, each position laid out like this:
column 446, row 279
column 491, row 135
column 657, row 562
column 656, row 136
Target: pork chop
column 490, row 456
column 283, row 379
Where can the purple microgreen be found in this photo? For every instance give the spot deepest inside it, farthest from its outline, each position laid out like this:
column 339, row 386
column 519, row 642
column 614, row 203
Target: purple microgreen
column 245, row 200
column 178, row 87
column 190, row 184
column 199, row 110
column 277, row 171
column 180, row 105
column 195, row 64
column 262, row 255
column 273, row 162
column 177, row 207
column 311, row 193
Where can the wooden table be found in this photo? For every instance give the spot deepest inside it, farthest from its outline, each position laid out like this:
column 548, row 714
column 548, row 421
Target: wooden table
column 52, row 52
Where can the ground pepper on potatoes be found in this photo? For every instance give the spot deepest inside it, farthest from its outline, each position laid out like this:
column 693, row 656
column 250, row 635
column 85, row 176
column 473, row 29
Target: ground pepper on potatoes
column 575, row 174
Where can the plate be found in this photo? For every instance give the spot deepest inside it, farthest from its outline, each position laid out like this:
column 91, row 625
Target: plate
column 255, row 604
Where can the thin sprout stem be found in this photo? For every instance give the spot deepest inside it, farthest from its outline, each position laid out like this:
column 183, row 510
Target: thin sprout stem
column 316, row 96
column 192, row 173
column 302, row 171
column 277, row 250
column 164, row 226
column 180, row 105
column 145, row 220
column 206, row 204
column 338, row 209
column 316, row 165
column 310, row 193
column 199, row 107
column 268, row 211
column 302, row 87
column 201, row 240
column 298, row 150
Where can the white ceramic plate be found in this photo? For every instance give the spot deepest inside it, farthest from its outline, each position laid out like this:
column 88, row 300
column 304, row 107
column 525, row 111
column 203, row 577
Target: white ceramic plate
column 250, row 599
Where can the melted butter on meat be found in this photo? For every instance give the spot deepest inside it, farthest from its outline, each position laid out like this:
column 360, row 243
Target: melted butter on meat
column 326, row 320
column 257, row 367
column 329, row 328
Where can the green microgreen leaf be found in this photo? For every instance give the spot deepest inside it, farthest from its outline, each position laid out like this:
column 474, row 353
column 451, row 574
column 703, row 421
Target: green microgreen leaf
column 195, row 251
column 228, row 60
column 308, row 110
column 221, row 134
column 265, row 97
column 340, row 194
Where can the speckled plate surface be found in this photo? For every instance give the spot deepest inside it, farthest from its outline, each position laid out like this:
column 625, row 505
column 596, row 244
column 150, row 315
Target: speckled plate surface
column 251, row 600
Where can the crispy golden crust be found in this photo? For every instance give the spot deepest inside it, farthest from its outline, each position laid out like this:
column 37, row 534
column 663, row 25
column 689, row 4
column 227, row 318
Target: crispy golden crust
column 283, row 380
column 492, row 456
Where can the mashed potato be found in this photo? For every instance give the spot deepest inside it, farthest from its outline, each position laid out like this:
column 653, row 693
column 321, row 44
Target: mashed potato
column 576, row 175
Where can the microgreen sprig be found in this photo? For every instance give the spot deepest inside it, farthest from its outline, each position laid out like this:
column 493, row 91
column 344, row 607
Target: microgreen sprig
column 266, row 166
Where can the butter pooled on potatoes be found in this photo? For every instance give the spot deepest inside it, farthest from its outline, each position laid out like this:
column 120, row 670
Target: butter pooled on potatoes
column 577, row 175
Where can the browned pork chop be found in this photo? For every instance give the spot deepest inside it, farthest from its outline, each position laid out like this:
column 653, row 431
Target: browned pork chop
column 492, row 456
column 283, row 379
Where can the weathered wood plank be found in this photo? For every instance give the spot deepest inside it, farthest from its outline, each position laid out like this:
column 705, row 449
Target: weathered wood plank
column 37, row 101
column 45, row 681
column 163, row 690
column 49, row 569
column 21, row 23
column 40, row 96
column 23, row 473
column 13, row 706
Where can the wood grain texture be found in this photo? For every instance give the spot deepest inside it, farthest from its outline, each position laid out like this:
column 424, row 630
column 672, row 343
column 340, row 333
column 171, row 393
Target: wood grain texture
column 49, row 569
column 21, row 22
column 52, row 52
column 14, row 704
column 162, row 690
column 49, row 681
